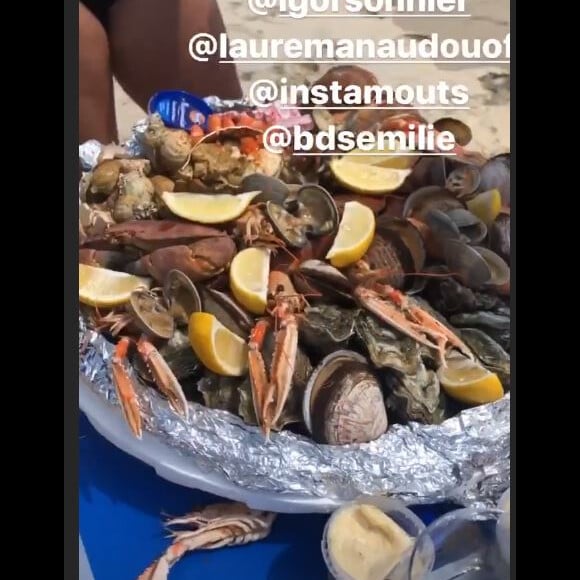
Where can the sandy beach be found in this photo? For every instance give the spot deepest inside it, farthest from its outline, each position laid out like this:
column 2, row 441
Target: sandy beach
column 488, row 85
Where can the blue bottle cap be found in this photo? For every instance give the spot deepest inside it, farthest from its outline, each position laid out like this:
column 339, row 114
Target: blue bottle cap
column 180, row 110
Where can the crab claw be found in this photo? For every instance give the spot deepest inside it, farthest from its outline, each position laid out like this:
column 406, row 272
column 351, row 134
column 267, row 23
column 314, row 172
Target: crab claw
column 125, row 388
column 199, row 261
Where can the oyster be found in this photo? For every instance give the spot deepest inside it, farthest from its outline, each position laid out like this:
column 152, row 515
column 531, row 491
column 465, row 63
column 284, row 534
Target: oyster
column 343, row 402
column 389, row 348
column 414, row 397
column 489, row 352
column 220, row 392
column 326, row 327
column 179, row 356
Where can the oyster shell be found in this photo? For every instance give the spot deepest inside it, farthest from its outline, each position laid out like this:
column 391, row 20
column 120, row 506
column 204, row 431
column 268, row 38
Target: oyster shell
column 389, row 348
column 489, row 352
column 326, row 327
column 414, row 397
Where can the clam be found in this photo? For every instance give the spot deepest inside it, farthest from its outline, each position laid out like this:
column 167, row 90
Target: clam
column 150, row 314
column 495, row 174
column 459, row 129
column 317, row 210
column 464, row 180
column 272, row 189
column 489, row 352
column 288, row 227
column 343, row 402
column 182, row 297
column 327, row 327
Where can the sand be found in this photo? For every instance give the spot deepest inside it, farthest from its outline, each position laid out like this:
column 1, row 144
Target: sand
column 488, row 84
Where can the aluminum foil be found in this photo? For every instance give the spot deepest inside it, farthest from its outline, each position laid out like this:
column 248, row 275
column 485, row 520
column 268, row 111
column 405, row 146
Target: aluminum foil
column 466, row 459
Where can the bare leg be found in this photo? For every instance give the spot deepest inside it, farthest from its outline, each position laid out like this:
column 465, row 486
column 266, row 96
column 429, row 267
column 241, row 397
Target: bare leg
column 149, row 45
column 96, row 105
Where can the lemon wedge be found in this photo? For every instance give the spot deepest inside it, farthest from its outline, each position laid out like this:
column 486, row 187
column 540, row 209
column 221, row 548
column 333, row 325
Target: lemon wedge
column 469, row 382
column 207, row 208
column 249, row 272
column 355, row 235
column 486, row 206
column 367, row 179
column 218, row 349
column 381, row 158
column 107, row 288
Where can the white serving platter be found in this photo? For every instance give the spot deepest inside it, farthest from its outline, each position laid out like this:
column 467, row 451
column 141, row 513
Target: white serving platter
column 177, row 468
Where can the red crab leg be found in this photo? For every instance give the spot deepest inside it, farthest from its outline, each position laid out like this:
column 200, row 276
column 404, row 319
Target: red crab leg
column 125, row 389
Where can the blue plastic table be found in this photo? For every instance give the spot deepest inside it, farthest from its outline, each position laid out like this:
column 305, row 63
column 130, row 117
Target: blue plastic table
column 121, row 507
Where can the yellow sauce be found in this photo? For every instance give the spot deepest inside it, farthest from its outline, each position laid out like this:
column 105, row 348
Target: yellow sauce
column 365, row 543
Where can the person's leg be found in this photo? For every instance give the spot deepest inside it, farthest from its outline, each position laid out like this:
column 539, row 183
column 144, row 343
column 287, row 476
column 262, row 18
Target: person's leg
column 149, row 42
column 96, row 104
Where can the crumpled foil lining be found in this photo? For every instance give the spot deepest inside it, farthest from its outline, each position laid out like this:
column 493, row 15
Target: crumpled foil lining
column 466, row 459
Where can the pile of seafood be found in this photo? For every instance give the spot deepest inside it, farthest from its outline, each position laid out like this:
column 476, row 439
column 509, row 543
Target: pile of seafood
column 340, row 352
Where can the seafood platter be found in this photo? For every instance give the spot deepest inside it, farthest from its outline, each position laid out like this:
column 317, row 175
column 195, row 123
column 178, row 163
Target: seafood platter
column 306, row 329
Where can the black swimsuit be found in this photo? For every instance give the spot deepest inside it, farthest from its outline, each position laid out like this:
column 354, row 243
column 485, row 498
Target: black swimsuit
column 100, row 9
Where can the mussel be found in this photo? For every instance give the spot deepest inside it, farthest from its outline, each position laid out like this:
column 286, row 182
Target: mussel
column 495, row 174
column 343, row 402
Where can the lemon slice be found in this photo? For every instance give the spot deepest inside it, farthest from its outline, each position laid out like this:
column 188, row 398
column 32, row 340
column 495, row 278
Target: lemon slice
column 207, row 208
column 249, row 273
column 486, row 206
column 367, row 179
column 218, row 349
column 107, row 288
column 469, row 382
column 355, row 235
column 381, row 158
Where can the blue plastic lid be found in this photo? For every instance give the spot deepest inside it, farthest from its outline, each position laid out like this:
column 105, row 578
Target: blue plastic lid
column 180, row 110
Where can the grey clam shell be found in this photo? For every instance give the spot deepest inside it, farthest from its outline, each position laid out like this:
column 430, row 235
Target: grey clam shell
column 343, row 402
